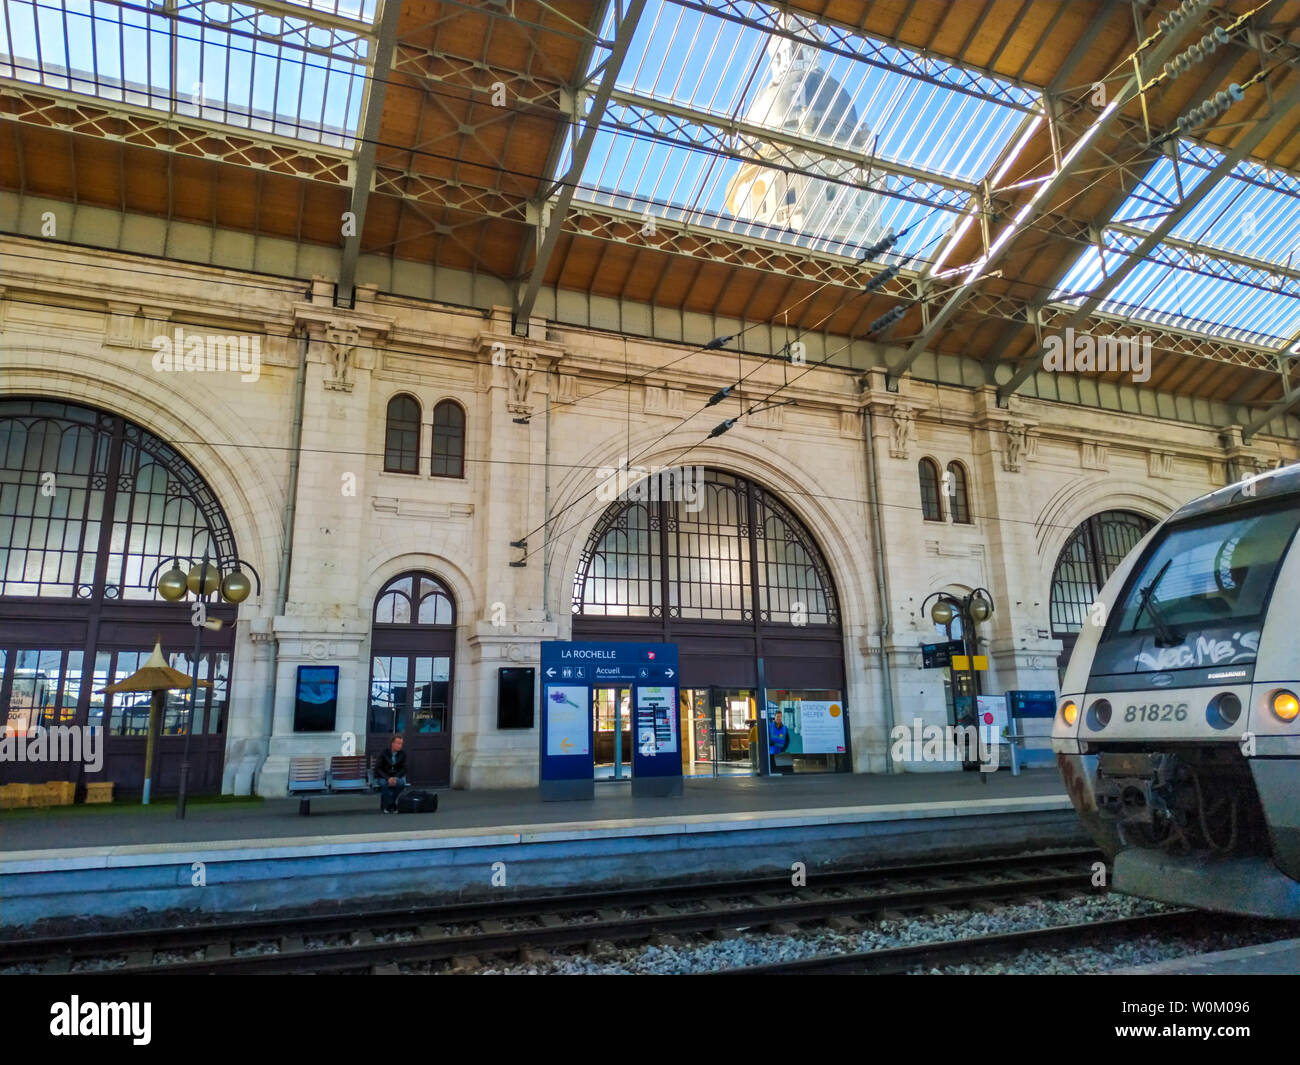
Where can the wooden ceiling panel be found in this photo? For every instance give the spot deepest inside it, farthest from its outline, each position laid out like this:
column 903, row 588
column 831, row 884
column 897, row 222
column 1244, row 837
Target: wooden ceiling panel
column 444, row 125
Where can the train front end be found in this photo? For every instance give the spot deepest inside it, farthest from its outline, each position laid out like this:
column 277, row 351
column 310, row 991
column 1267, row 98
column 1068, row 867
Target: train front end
column 1178, row 727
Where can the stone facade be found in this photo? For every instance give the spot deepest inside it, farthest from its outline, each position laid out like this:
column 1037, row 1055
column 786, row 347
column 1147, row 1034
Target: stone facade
column 543, row 414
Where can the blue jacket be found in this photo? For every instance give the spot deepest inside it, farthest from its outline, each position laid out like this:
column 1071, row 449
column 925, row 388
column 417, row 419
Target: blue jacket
column 778, row 738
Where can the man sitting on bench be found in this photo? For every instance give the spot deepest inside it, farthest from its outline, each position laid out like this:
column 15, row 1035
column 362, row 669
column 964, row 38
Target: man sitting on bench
column 390, row 771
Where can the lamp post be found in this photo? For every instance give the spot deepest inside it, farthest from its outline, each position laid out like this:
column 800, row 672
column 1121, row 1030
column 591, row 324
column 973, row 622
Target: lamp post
column 971, row 609
column 203, row 580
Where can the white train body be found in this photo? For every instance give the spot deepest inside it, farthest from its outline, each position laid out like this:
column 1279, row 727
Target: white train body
column 1182, row 753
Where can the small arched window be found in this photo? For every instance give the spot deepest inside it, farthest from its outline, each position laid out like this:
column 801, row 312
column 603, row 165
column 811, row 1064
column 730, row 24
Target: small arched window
column 929, row 474
column 448, row 440
column 402, row 436
column 414, row 599
column 958, row 500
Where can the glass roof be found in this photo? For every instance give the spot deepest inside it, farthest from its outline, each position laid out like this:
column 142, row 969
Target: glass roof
column 760, row 123
column 257, row 67
column 1230, row 268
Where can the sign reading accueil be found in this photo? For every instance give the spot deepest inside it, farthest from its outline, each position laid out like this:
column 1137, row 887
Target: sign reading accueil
column 570, row 670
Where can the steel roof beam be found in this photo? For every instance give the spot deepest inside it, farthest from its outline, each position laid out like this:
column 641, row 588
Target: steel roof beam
column 1282, row 407
column 1038, row 203
column 147, row 127
column 1290, row 392
column 736, row 11
column 556, row 149
column 713, row 129
column 568, row 184
column 1262, row 127
column 368, row 140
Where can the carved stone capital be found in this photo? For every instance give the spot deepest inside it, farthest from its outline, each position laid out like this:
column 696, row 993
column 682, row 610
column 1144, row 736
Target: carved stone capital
column 341, row 342
column 902, row 431
column 521, row 370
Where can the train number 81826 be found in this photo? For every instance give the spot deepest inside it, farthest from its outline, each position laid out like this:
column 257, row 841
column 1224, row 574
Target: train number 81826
column 1156, row 712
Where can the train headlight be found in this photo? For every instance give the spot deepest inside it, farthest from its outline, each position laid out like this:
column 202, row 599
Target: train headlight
column 1099, row 714
column 1224, row 710
column 1286, row 705
column 1069, row 712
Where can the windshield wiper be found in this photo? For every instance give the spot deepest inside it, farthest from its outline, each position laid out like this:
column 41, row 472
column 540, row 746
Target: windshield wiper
column 1165, row 635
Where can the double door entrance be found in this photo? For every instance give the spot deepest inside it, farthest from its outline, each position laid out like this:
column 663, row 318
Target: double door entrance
column 409, row 695
column 716, row 727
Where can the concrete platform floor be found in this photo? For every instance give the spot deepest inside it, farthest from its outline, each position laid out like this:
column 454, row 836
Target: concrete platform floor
column 1263, row 959
column 741, row 798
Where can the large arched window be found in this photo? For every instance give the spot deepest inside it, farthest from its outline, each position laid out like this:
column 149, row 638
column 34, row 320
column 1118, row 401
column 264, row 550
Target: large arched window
column 448, row 439
column 1088, row 559
column 412, row 654
column 928, row 472
column 958, row 496
column 90, row 506
column 712, row 548
column 402, row 436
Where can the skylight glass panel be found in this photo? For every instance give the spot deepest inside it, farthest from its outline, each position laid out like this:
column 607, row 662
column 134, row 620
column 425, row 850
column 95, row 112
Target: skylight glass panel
column 235, row 64
column 1229, row 268
column 765, row 124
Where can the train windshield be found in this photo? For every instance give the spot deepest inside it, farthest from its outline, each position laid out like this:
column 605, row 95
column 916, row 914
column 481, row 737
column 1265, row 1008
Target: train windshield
column 1200, row 595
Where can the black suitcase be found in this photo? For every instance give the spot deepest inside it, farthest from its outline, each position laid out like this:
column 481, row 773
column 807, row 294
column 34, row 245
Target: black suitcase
column 417, row 802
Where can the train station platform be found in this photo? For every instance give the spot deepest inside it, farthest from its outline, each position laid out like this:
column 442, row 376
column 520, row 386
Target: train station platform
column 244, row 857
column 1261, row 959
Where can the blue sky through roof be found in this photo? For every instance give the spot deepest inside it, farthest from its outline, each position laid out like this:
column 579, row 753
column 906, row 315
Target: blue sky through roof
column 1253, row 212
column 234, row 63
column 957, row 129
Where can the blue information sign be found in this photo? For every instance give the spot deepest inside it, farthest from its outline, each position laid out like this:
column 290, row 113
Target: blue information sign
column 1032, row 703
column 569, row 672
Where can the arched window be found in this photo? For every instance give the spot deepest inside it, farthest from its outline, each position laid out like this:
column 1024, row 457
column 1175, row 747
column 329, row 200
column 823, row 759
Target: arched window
column 718, row 548
column 92, row 507
column 448, row 439
column 1088, row 559
column 958, row 500
column 928, row 471
column 414, row 599
column 412, row 655
column 402, row 436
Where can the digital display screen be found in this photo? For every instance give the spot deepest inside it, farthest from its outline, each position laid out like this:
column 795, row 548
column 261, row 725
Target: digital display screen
column 515, row 697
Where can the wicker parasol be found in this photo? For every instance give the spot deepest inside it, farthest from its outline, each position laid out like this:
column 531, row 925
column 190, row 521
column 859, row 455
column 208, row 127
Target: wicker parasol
column 158, row 677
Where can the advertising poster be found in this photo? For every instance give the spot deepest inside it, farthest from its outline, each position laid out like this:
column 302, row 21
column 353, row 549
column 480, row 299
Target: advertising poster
column 821, row 727
column 656, row 720
column 568, row 724
column 317, row 699
column 993, row 722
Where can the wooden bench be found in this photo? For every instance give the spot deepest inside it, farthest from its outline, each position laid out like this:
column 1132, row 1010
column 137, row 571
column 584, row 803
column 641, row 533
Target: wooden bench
column 313, row 778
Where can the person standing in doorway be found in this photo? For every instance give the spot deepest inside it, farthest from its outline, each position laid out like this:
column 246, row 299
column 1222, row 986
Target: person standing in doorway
column 778, row 738
column 390, row 771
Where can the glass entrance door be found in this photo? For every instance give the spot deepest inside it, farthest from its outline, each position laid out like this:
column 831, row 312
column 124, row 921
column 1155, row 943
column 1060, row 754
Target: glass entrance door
column 611, row 730
column 408, row 697
column 734, row 735
column 718, row 732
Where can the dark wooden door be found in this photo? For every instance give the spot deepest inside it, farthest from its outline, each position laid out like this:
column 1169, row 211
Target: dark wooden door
column 410, row 696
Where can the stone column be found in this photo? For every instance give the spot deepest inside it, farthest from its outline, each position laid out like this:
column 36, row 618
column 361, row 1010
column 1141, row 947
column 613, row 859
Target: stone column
column 1018, row 638
column 322, row 624
column 507, row 627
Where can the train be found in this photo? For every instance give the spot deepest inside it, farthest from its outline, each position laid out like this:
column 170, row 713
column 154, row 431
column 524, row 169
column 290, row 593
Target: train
column 1177, row 730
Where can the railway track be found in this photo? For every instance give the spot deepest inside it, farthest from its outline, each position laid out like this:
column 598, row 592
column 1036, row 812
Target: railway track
column 983, row 948
column 378, row 940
